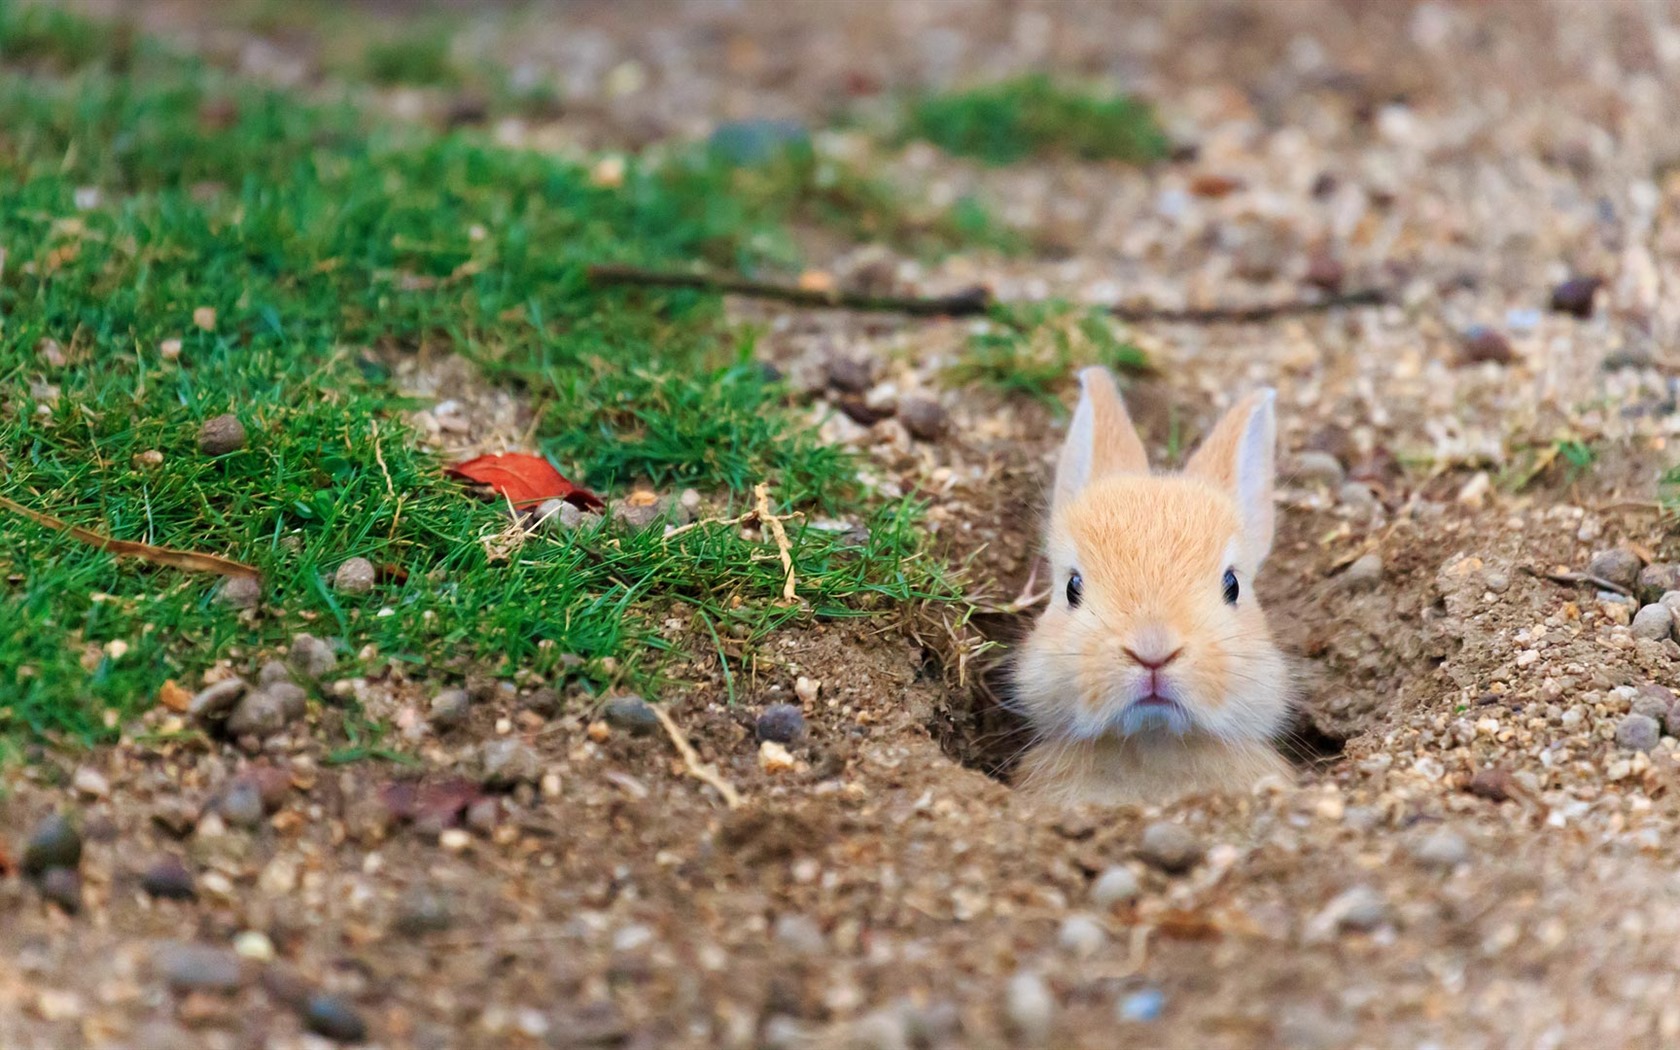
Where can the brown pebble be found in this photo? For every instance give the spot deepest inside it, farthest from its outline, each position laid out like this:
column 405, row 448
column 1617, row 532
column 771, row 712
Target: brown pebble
column 1495, row 785
column 221, row 435
column 1483, row 344
column 849, row 375
column 923, row 417
column 1325, row 272
column 1575, row 296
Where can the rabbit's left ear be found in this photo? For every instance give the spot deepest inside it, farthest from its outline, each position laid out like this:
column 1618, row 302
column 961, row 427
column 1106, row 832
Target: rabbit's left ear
column 1237, row 455
column 1101, row 439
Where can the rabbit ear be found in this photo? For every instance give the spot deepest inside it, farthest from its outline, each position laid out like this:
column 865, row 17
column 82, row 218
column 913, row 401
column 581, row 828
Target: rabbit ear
column 1237, row 455
column 1101, row 439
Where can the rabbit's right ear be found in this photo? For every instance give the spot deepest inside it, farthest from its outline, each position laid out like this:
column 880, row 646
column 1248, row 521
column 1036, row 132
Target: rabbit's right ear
column 1101, row 439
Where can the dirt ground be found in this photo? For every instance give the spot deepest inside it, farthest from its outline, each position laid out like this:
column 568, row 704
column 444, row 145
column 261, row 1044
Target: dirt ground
column 1468, row 858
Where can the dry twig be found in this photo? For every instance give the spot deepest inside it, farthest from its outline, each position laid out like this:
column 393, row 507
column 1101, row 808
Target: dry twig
column 701, row 771
column 191, row 561
column 761, row 497
column 1579, row 579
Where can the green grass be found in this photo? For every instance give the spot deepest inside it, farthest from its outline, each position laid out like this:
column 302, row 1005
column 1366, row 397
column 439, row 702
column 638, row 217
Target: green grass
column 1033, row 116
column 417, row 57
column 1035, row 351
column 327, row 246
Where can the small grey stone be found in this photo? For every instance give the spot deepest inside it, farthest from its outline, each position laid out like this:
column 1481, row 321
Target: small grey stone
column 355, row 576
column 1358, row 498
column 1653, row 623
column 241, row 803
column 801, row 934
column 312, row 657
column 1116, row 885
column 240, row 592
column 1653, row 701
column 689, row 500
column 1638, row 733
column 1169, row 846
column 449, row 708
column 55, row 843
column 169, row 879
column 198, row 967
column 1029, row 1006
column 1357, row 908
column 544, row 701
column 221, row 435
column 1618, row 565
column 782, row 723
column 63, row 886
column 1313, row 467
column 1365, row 572
column 1670, row 600
column 1496, row 581
column 213, row 702
column 422, row 910
column 636, row 515
column 273, row 671
column 631, row 714
column 1442, row 848
column 1657, row 579
column 557, row 515
column 509, row 762
column 1081, row 936
column 850, row 375
column 923, row 417
column 267, row 711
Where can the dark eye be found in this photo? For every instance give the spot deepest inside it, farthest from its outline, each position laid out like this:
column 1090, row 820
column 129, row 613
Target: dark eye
column 1230, row 586
column 1075, row 590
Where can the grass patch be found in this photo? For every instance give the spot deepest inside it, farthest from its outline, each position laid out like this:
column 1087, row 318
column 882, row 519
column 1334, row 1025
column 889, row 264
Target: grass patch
column 314, row 245
column 418, row 58
column 1035, row 116
column 1034, row 351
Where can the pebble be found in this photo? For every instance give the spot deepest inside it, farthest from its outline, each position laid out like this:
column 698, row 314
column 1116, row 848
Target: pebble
column 689, row 501
column 1575, row 296
column 1081, row 936
column 1358, row 908
column 1116, row 885
column 241, row 803
column 55, row 843
column 1638, row 732
column 63, row 887
column 1029, row 1007
column 1618, row 565
column 557, row 515
column 213, row 702
column 355, row 576
column 221, row 435
column 923, row 417
column 1358, row 497
column 636, row 514
column 849, row 375
column 801, row 934
column 332, row 1017
column 1145, row 1004
column 1653, row 623
column 509, row 763
column 312, row 657
column 1170, row 847
column 774, row 758
column 449, row 708
column 631, row 714
column 169, row 879
column 1481, row 344
column 1313, row 467
column 1365, row 572
column 1657, row 579
column 422, row 910
column 782, row 723
column 197, row 967
column 807, row 689
column 1442, row 849
column 240, row 592
column 90, row 782
column 254, row 945
column 273, row 671
column 267, row 711
column 543, row 701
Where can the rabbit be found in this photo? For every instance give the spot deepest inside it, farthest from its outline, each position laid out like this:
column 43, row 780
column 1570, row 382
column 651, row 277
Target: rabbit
column 1152, row 674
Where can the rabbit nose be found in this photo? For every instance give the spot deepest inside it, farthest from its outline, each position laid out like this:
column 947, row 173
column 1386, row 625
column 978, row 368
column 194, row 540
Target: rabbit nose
column 1154, row 661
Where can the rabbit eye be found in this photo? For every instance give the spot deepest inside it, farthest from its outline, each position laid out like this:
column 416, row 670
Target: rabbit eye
column 1075, row 590
column 1230, row 586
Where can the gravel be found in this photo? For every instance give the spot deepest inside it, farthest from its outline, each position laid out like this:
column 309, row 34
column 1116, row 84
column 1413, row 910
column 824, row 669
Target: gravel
column 636, row 512
column 1638, row 732
column 1318, row 468
column 1029, row 1006
column 241, row 803
column 1358, row 908
column 508, row 763
column 631, row 714
column 924, row 418
column 63, row 887
column 1116, row 885
column 850, row 375
column 55, row 843
column 1169, row 846
column 267, row 711
column 221, row 435
column 449, row 708
column 1653, row 623
column 214, row 702
column 169, row 879
column 1576, row 296
column 1482, row 345
column 1657, row 579
column 1081, row 936
column 197, row 967
column 1365, row 572
column 1617, row 565
column 422, row 910
column 1442, row 849
column 355, row 576
column 800, row 934
column 782, row 723
column 240, row 592
column 312, row 657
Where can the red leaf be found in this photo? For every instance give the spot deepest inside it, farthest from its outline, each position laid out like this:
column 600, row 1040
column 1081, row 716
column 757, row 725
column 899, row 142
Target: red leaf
column 524, row 479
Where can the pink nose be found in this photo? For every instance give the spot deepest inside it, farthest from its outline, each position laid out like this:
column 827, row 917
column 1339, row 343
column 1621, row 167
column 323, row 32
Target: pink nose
column 1156, row 663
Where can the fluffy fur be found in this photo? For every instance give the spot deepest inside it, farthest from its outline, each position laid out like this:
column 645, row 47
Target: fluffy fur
column 1154, row 686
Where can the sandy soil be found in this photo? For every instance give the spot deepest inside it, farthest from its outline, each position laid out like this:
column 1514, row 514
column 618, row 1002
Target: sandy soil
column 1471, row 859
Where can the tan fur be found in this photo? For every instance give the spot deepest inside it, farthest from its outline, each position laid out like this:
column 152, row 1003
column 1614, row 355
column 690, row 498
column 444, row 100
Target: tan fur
column 1151, row 552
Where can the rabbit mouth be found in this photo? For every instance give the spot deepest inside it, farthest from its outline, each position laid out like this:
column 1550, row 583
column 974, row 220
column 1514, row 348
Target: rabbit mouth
column 1154, row 713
